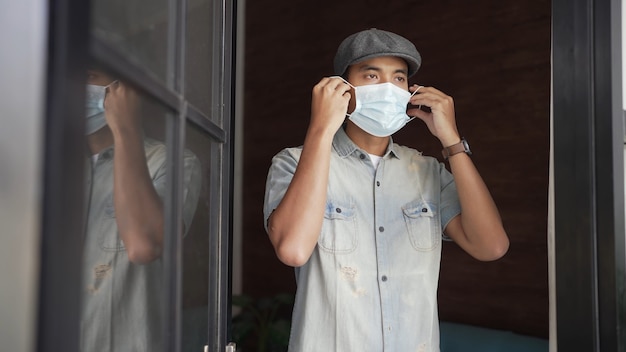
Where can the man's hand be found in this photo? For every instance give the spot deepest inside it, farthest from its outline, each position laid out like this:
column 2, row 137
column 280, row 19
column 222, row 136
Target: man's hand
column 478, row 229
column 329, row 104
column 121, row 107
column 440, row 120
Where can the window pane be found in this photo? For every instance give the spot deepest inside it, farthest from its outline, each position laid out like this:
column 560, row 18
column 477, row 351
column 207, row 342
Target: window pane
column 196, row 241
column 137, row 28
column 199, row 56
column 122, row 284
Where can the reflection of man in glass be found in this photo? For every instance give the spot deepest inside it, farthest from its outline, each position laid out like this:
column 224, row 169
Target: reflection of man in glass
column 122, row 276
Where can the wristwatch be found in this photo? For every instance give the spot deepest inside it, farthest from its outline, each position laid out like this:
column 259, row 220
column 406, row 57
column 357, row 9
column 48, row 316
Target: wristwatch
column 460, row 147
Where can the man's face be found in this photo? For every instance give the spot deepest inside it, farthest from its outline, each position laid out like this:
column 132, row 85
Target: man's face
column 378, row 70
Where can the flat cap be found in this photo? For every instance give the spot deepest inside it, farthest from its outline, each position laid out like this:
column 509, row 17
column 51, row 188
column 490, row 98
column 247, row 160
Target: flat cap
column 372, row 43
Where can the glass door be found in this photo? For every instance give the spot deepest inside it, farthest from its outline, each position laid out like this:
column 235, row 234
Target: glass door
column 144, row 91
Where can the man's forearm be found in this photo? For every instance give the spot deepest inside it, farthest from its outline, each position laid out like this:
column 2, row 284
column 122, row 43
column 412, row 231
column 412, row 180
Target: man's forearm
column 138, row 207
column 295, row 225
column 480, row 219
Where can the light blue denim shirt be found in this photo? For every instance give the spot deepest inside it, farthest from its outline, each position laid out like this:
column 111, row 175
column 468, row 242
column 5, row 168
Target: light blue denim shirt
column 371, row 282
column 122, row 302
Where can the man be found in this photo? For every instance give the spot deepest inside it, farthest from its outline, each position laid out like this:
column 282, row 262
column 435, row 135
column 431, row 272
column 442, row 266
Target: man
column 122, row 280
column 362, row 218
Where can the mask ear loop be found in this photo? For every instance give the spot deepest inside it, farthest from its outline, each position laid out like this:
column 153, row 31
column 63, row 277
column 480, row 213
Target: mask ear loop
column 341, row 78
column 111, row 84
column 106, row 89
column 419, row 106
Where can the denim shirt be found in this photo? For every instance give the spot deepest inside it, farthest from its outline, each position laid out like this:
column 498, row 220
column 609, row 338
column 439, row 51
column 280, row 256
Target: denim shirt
column 122, row 302
column 371, row 281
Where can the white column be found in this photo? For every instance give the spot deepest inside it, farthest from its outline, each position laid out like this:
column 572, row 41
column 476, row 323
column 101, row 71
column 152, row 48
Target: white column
column 551, row 252
column 23, row 39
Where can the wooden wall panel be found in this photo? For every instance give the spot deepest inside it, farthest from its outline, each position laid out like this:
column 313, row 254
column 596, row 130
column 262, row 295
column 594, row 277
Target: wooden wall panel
column 493, row 57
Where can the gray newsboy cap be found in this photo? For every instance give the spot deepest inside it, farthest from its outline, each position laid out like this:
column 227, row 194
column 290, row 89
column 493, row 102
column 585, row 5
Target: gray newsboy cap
column 373, row 43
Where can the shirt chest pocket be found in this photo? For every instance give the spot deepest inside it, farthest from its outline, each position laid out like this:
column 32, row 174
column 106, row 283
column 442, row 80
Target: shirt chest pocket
column 339, row 228
column 422, row 223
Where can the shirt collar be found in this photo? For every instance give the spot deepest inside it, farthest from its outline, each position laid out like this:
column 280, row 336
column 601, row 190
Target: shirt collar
column 344, row 146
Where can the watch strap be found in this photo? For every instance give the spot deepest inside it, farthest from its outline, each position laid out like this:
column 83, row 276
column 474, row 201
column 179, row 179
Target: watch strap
column 461, row 147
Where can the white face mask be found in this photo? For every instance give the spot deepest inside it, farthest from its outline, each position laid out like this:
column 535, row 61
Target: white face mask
column 380, row 108
column 94, row 103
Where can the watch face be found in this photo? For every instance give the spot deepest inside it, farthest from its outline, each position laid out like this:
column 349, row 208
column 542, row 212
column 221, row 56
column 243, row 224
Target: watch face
column 466, row 146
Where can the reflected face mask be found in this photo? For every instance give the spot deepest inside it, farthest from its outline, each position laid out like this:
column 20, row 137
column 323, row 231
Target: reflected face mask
column 380, row 108
column 94, row 104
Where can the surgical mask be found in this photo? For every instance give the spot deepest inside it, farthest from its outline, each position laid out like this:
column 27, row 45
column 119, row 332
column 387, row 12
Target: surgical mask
column 380, row 108
column 95, row 108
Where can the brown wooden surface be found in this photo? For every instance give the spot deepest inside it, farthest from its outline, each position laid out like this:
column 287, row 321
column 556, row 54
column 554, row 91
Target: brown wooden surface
column 493, row 57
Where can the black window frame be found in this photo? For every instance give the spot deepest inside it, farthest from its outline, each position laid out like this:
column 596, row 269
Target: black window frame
column 588, row 135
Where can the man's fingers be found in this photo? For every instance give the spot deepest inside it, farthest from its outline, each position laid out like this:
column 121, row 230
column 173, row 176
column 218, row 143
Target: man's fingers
column 425, row 89
column 338, row 84
column 333, row 85
column 431, row 99
column 432, row 94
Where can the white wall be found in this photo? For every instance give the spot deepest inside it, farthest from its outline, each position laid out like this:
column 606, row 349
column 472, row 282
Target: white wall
column 23, row 39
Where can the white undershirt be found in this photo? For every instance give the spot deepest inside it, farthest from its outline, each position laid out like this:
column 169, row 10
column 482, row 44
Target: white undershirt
column 94, row 159
column 375, row 159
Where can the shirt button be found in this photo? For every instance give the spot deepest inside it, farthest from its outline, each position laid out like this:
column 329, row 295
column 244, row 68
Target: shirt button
column 378, row 183
column 384, row 278
column 338, row 210
column 362, row 156
column 424, row 210
column 381, row 229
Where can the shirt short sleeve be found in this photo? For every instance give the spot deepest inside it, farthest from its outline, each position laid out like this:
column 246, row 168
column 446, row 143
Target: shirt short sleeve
column 192, row 177
column 192, row 181
column 450, row 205
column 279, row 177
